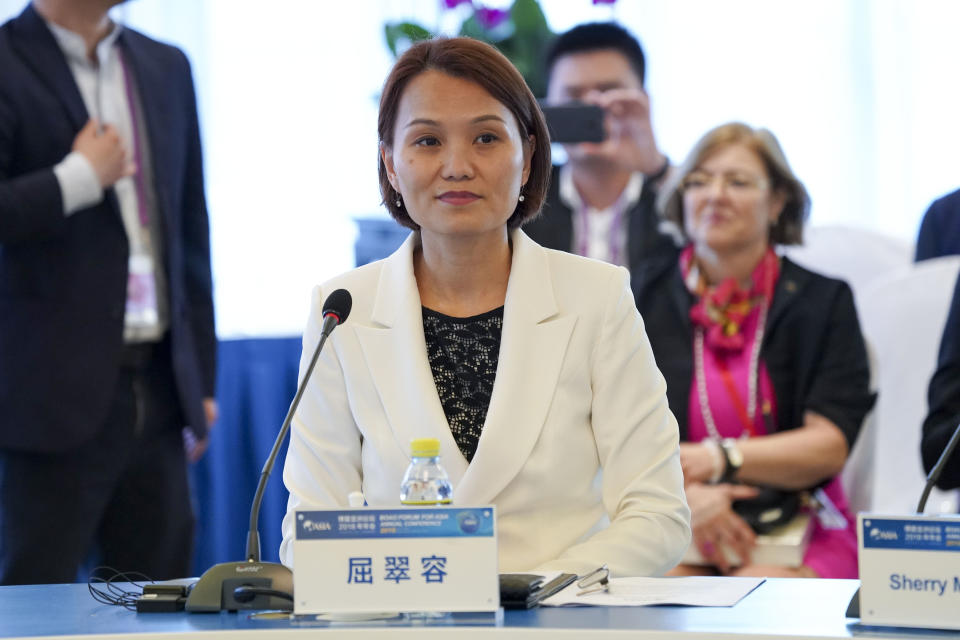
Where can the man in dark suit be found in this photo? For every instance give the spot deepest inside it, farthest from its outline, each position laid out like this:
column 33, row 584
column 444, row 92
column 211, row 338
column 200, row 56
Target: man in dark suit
column 602, row 203
column 939, row 233
column 107, row 341
column 944, row 399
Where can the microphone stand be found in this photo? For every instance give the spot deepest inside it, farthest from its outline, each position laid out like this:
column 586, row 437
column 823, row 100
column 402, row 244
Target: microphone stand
column 937, row 470
column 252, row 584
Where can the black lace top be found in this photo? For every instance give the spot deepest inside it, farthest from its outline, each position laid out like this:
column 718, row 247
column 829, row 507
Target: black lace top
column 463, row 355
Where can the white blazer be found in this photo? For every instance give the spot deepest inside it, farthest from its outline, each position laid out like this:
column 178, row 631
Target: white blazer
column 576, row 392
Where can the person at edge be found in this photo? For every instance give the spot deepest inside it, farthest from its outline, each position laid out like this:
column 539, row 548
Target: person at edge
column 107, row 339
column 939, row 232
column 944, row 401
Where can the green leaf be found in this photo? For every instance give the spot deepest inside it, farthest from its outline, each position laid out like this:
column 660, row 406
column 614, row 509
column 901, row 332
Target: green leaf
column 400, row 35
column 528, row 18
column 529, row 43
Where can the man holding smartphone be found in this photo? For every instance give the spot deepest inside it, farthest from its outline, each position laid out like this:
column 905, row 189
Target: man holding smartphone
column 944, row 401
column 601, row 203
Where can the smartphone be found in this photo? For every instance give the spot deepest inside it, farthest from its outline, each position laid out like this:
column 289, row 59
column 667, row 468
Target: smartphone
column 574, row 122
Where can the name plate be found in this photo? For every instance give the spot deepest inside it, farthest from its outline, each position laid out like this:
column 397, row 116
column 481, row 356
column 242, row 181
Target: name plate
column 909, row 571
column 367, row 560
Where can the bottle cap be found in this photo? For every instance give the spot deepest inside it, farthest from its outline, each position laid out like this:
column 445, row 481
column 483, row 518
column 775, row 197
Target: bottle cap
column 355, row 499
column 424, row 447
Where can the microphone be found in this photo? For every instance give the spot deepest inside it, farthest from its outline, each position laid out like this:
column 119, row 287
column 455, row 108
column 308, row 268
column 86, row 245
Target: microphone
column 252, row 584
column 853, row 609
column 937, row 470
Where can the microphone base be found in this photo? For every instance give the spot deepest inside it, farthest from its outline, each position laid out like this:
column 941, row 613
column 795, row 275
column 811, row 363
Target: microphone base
column 214, row 591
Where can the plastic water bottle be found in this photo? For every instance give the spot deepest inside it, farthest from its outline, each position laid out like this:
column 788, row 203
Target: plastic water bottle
column 425, row 482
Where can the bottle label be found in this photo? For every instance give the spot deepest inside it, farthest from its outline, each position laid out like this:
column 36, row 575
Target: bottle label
column 424, row 503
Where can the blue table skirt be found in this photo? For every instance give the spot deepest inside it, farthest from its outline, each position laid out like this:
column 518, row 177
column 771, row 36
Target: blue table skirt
column 256, row 381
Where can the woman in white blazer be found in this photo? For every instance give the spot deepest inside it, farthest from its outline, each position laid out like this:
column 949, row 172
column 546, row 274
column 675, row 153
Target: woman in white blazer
column 565, row 427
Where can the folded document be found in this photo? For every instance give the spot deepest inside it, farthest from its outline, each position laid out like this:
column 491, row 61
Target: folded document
column 712, row 591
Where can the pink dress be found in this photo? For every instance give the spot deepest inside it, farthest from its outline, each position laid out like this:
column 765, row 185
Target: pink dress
column 832, row 552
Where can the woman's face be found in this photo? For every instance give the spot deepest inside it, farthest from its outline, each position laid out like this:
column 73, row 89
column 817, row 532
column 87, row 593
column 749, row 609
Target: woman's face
column 728, row 204
column 458, row 159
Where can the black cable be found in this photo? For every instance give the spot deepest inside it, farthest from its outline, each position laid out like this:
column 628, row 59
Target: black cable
column 102, row 588
column 111, row 594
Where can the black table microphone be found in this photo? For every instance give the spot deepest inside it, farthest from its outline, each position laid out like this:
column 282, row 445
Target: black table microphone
column 937, row 470
column 252, row 584
column 853, row 609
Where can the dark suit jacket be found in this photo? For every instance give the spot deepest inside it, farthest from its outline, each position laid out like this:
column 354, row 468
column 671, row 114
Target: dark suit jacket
column 553, row 228
column 944, row 399
column 940, row 229
column 813, row 348
column 63, row 279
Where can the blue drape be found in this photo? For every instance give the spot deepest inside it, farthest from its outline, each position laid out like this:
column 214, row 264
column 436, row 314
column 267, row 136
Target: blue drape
column 256, row 381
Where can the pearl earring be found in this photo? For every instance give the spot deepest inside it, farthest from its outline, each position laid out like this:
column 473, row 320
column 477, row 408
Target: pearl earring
column 399, row 202
column 521, row 198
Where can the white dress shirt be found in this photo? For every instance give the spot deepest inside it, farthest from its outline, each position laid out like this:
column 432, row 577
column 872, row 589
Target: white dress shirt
column 600, row 233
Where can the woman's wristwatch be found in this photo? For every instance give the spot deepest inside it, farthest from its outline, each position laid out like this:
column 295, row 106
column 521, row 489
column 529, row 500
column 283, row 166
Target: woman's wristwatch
column 734, row 459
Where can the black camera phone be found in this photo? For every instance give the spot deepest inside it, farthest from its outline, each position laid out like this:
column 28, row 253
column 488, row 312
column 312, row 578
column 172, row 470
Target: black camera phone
column 574, row 122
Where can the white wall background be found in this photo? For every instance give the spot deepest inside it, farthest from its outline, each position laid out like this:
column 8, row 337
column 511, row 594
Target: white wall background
column 862, row 94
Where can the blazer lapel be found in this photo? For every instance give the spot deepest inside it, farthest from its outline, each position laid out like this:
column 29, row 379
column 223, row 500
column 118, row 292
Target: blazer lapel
column 532, row 349
column 681, row 298
column 155, row 116
column 396, row 354
column 39, row 50
column 152, row 87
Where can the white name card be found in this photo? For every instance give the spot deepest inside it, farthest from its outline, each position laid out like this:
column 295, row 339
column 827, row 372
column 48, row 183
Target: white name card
column 909, row 571
column 395, row 560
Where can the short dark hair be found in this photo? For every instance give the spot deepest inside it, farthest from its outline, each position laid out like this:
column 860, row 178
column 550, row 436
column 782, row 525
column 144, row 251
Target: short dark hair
column 481, row 63
column 596, row 36
column 788, row 228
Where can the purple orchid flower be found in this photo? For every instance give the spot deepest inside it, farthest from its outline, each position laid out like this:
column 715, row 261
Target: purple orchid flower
column 453, row 4
column 490, row 18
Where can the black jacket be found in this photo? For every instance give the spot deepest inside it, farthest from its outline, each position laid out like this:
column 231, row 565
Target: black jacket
column 812, row 348
column 944, row 398
column 939, row 233
column 553, row 228
column 63, row 280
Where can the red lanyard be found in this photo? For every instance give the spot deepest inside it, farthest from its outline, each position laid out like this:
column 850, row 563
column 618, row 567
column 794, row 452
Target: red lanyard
column 731, row 388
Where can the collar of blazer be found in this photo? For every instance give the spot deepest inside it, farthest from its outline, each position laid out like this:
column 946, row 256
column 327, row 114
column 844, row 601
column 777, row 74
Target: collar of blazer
column 535, row 337
column 793, row 280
